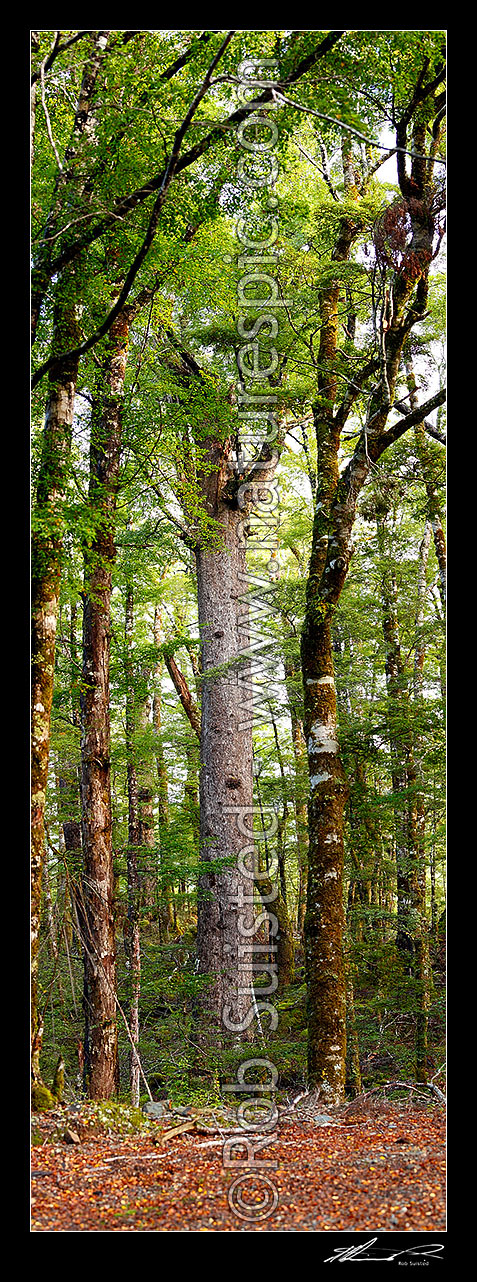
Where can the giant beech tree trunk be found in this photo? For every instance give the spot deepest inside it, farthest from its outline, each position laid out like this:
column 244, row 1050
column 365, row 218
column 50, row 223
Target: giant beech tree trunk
column 101, row 1052
column 224, row 933
column 226, row 789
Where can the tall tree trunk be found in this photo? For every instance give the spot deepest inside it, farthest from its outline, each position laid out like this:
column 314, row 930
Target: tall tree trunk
column 47, row 539
column 69, row 790
column 101, row 1052
column 46, row 576
column 331, row 550
column 324, row 920
column 145, row 797
column 423, row 976
column 226, row 790
column 132, row 924
column 133, row 819
column 353, row 1042
column 166, row 916
column 364, row 838
column 191, row 797
column 402, row 757
column 292, row 677
column 69, row 800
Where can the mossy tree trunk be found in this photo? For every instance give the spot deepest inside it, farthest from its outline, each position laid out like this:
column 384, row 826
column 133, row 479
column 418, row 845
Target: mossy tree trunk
column 301, row 817
column 295, row 706
column 324, row 920
column 335, row 509
column 56, row 447
column 68, row 791
column 47, row 551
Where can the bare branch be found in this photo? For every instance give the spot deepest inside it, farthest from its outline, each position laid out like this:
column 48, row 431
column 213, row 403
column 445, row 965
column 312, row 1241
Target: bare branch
column 47, row 118
column 188, row 703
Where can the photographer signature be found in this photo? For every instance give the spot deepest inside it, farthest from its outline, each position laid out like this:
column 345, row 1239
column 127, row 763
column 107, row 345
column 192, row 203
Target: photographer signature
column 368, row 1251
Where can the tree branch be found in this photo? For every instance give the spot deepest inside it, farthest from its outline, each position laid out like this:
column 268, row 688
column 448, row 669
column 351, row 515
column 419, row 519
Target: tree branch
column 47, row 117
column 56, row 50
column 310, row 111
column 429, row 428
column 188, row 703
column 411, row 419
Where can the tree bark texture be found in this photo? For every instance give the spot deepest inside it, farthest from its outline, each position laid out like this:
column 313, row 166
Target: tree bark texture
column 422, row 963
column 324, row 919
column 402, row 756
column 431, row 467
column 166, row 916
column 47, row 546
column 335, row 509
column 226, row 790
column 101, row 1054
column 132, row 924
column 294, row 698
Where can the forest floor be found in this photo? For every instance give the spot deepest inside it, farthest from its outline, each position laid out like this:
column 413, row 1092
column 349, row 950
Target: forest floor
column 370, row 1167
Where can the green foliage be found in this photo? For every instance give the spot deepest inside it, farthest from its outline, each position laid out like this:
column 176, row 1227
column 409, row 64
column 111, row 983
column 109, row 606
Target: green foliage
column 179, row 398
